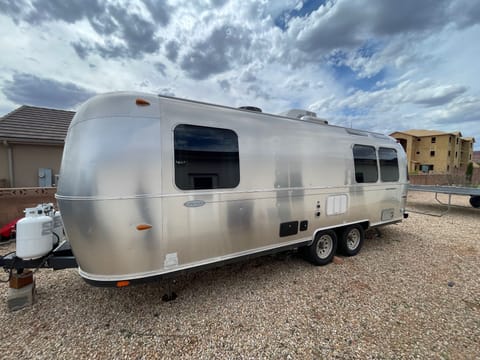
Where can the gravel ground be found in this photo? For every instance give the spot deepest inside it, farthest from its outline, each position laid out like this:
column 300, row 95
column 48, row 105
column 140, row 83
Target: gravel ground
column 413, row 292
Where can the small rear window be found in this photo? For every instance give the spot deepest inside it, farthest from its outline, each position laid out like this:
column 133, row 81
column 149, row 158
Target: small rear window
column 388, row 164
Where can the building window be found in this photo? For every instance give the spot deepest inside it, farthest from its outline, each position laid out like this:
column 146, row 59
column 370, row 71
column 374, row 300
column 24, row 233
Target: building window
column 448, row 167
column 388, row 164
column 434, row 139
column 418, row 139
column 418, row 152
column 449, row 139
column 426, row 168
column 457, row 141
column 449, row 152
column 432, row 153
column 365, row 161
column 456, row 154
column 206, row 158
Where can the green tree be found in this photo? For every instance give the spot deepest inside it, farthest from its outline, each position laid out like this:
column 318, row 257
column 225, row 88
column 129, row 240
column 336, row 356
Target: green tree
column 469, row 172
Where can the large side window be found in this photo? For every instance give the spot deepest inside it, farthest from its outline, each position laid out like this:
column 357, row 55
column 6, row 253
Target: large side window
column 388, row 164
column 365, row 160
column 205, row 158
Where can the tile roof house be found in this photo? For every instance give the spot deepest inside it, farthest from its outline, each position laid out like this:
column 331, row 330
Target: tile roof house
column 31, row 145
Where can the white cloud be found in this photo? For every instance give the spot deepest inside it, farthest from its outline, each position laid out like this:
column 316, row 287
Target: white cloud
column 380, row 65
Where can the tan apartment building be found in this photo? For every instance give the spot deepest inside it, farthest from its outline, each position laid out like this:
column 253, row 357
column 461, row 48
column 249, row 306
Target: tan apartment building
column 435, row 151
column 31, row 146
column 466, row 151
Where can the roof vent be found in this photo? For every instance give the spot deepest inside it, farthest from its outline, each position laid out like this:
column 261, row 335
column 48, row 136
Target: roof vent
column 298, row 113
column 250, row 108
column 304, row 115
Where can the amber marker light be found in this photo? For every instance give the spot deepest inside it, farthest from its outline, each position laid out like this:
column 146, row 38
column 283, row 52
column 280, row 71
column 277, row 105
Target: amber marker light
column 142, row 102
column 141, row 227
column 123, row 283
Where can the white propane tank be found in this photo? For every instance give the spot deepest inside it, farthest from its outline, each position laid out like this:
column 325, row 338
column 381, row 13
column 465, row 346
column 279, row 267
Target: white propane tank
column 49, row 210
column 34, row 234
column 57, row 227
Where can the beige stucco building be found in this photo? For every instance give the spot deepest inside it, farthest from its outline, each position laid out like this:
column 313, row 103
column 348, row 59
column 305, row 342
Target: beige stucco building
column 435, row 151
column 31, row 146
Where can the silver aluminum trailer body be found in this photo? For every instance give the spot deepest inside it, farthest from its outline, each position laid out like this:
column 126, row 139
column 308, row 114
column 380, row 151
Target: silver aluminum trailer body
column 127, row 217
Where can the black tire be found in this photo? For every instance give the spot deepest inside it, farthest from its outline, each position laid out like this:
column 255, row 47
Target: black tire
column 475, row 201
column 351, row 240
column 322, row 250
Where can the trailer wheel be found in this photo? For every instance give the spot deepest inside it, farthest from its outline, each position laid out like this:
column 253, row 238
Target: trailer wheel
column 351, row 240
column 323, row 248
column 475, row 201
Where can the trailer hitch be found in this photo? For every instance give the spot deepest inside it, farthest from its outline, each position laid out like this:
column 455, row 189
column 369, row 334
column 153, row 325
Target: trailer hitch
column 59, row 258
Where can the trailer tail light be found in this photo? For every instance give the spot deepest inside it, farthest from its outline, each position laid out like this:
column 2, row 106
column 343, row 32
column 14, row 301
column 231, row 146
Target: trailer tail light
column 142, row 102
column 123, row 283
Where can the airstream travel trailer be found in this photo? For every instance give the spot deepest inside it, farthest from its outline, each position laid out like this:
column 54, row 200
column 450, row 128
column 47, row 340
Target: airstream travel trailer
column 153, row 185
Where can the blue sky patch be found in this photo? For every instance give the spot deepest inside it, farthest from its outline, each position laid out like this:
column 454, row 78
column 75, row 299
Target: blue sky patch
column 369, row 48
column 308, row 7
column 353, row 112
column 350, row 79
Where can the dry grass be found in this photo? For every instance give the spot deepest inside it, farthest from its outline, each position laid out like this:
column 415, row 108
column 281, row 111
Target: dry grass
column 414, row 292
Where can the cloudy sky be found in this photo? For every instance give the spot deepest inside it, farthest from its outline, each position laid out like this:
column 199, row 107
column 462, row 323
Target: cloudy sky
column 380, row 65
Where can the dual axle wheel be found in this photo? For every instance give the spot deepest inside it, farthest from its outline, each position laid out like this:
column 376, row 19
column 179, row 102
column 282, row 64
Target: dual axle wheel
column 323, row 248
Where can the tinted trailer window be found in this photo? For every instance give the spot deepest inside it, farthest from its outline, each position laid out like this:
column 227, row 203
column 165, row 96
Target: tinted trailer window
column 388, row 164
column 365, row 160
column 205, row 158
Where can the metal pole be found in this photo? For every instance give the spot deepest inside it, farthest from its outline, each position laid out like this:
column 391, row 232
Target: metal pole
column 11, row 177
